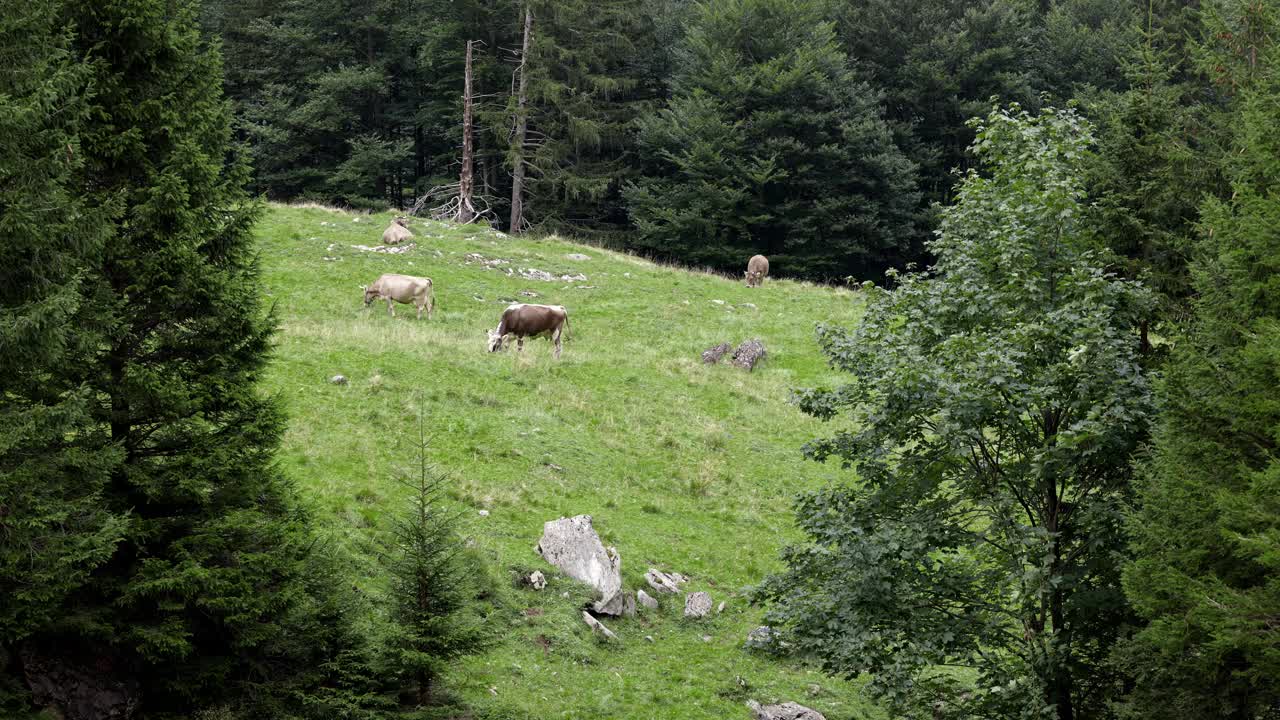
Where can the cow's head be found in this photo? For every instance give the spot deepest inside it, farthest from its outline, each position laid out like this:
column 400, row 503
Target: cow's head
column 402, row 221
column 369, row 294
column 495, row 341
column 753, row 276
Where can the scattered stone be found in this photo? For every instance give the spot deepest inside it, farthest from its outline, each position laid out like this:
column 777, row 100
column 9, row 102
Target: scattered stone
column 646, row 600
column 585, row 287
column 706, row 638
column 697, row 605
column 493, row 691
column 720, row 608
column 814, row 689
column 664, row 582
column 572, row 545
column 718, row 302
column 578, row 256
column 784, row 711
column 747, row 305
column 387, row 249
column 711, row 356
column 536, row 580
column 338, row 380
column 598, row 627
column 528, row 293
column 477, row 298
column 761, row 638
column 649, row 638
column 626, row 275
column 555, row 467
column 748, row 354
column 484, row 513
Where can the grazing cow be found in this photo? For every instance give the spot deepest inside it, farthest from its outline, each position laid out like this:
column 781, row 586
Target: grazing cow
column 401, row 288
column 524, row 321
column 757, row 268
column 397, row 232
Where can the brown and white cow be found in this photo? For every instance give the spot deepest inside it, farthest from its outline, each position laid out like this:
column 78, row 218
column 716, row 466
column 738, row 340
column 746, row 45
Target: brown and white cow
column 524, row 320
column 397, row 232
column 403, row 289
column 757, row 269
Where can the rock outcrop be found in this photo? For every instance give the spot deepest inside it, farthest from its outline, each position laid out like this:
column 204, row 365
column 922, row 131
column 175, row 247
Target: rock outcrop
column 572, row 545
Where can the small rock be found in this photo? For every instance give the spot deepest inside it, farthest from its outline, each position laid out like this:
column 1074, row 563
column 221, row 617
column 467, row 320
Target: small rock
column 748, row 354
column 711, row 356
column 493, row 691
column 760, row 639
column 720, row 608
column 706, row 638
column 697, row 605
column 527, row 293
column 814, row 690
column 536, row 580
column 747, row 305
column 484, row 513
column 646, row 600
column 649, row 638
column 597, row 627
column 338, row 380
column 578, row 256
column 718, row 302
column 663, row 582
column 626, row 275
column 784, row 711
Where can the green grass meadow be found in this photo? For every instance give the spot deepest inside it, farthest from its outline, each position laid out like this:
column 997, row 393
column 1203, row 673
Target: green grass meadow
column 683, row 467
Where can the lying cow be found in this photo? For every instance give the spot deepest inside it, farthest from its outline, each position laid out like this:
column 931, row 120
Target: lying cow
column 397, row 232
column 524, row 321
column 403, row 289
column 757, row 268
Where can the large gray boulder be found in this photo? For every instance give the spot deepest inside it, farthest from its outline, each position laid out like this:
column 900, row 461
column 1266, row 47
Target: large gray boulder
column 572, row 545
column 784, row 711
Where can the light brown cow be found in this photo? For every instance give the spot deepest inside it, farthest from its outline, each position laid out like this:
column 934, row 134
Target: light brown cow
column 404, row 289
column 757, row 269
column 397, row 232
column 524, row 321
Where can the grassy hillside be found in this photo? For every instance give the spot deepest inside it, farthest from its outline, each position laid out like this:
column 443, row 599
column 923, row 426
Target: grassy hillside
column 684, row 467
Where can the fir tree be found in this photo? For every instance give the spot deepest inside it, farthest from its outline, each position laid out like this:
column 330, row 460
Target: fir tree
column 170, row 339
column 772, row 145
column 54, row 465
column 1206, row 535
column 431, row 584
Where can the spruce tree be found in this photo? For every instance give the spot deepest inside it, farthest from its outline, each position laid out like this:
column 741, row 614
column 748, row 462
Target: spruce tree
column 431, row 585
column 54, row 467
column 170, row 337
column 771, row 144
column 1206, row 535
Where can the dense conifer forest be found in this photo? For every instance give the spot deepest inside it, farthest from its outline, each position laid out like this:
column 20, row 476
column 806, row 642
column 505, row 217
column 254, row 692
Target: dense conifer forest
column 1042, row 479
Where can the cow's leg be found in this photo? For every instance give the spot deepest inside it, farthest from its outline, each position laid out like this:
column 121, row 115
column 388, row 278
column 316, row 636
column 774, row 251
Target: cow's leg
column 520, row 343
column 391, row 307
column 420, row 303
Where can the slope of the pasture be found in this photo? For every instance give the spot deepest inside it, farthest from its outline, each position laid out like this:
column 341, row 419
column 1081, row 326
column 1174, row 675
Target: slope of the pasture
column 684, row 467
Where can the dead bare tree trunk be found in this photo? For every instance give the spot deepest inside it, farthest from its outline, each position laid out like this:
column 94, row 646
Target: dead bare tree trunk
column 466, row 181
column 522, row 128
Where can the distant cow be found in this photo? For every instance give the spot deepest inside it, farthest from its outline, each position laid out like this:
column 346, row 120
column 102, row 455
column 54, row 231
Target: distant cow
column 757, row 269
column 524, row 321
column 403, row 289
column 397, row 232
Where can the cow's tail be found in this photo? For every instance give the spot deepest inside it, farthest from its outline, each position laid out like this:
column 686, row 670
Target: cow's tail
column 567, row 334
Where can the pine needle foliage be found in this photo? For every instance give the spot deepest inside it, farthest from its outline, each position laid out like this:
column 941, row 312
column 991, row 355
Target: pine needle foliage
column 432, row 585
